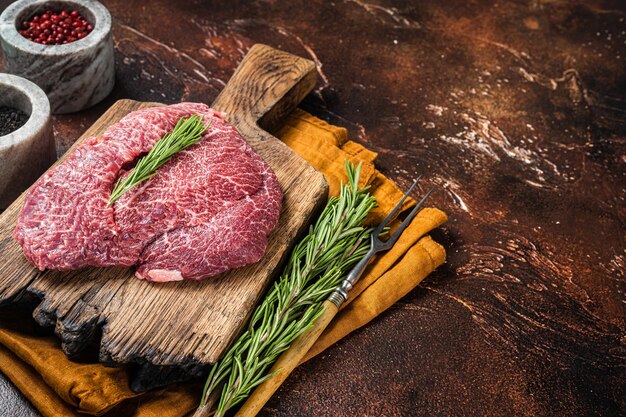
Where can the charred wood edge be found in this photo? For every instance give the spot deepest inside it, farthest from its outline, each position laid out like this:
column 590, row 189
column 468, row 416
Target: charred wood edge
column 75, row 340
column 85, row 340
column 18, row 297
column 147, row 376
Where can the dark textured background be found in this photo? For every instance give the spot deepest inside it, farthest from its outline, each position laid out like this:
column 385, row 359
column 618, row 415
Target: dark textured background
column 516, row 110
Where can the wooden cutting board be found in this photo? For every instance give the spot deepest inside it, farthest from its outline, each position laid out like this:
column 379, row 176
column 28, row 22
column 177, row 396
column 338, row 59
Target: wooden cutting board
column 188, row 324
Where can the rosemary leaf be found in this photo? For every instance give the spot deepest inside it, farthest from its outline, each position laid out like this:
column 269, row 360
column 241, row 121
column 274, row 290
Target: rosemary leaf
column 318, row 264
column 186, row 132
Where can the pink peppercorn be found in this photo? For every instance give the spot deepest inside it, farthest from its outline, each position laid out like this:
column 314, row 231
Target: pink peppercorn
column 56, row 28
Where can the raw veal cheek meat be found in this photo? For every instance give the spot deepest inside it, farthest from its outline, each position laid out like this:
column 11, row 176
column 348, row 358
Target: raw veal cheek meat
column 208, row 210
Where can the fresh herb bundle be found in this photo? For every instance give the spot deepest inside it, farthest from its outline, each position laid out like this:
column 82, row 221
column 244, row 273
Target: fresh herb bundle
column 317, row 265
column 186, row 132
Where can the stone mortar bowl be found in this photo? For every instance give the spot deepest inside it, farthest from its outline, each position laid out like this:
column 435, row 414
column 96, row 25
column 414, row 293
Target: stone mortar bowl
column 27, row 152
column 74, row 76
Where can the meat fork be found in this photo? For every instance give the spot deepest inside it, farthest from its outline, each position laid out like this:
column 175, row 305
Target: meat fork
column 288, row 361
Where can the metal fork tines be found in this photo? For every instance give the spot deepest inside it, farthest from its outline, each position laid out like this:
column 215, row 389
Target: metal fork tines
column 340, row 295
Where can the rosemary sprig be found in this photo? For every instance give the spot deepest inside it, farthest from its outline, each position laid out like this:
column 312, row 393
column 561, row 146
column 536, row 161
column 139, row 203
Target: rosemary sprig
column 186, row 132
column 316, row 267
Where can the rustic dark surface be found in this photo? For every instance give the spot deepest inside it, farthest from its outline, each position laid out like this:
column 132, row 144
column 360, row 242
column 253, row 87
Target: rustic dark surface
column 517, row 111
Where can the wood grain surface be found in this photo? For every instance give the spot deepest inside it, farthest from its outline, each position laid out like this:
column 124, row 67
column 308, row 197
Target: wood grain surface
column 188, row 323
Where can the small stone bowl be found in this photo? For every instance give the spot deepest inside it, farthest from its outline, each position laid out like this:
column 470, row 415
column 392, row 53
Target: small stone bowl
column 74, row 76
column 27, row 152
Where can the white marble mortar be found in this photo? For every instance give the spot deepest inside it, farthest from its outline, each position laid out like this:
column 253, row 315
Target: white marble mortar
column 74, row 76
column 27, row 152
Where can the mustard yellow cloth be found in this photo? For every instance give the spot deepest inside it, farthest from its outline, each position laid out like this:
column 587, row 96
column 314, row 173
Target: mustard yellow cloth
column 59, row 387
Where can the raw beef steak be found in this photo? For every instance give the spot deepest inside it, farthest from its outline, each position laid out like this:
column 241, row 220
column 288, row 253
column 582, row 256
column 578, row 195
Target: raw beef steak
column 208, row 210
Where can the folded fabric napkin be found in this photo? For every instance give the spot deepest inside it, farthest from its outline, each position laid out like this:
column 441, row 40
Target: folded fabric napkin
column 59, row 387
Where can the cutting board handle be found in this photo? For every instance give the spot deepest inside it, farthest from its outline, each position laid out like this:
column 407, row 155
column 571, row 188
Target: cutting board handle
column 267, row 85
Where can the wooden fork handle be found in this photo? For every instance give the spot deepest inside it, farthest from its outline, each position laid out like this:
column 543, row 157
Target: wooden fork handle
column 287, row 362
